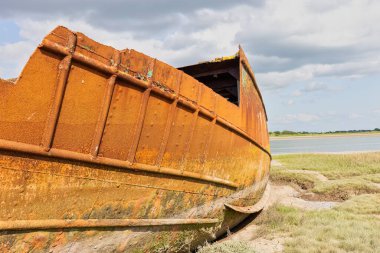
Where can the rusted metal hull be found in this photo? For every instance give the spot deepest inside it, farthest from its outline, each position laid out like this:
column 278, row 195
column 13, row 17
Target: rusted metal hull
column 105, row 150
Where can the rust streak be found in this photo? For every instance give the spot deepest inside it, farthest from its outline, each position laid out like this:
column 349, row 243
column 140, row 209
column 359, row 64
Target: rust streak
column 188, row 141
column 104, row 111
column 51, row 46
column 97, row 223
column 115, row 182
column 188, row 104
column 164, row 94
column 250, row 72
column 71, row 155
column 168, row 126
column 52, row 119
column 210, row 139
column 139, row 125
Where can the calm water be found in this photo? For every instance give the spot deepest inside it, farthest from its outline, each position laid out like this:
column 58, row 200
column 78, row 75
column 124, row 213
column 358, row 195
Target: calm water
column 326, row 144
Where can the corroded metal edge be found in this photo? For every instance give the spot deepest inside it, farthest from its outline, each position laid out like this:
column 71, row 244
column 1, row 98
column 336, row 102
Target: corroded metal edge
column 148, row 85
column 246, row 65
column 65, row 154
column 255, row 208
column 97, row 223
column 45, row 148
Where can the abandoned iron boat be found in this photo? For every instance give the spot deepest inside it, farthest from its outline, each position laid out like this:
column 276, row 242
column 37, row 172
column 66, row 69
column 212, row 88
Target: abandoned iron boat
column 107, row 150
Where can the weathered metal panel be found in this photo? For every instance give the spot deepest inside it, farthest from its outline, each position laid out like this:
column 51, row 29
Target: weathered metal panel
column 218, row 160
column 80, row 111
column 121, row 122
column 56, row 189
column 166, row 75
column 196, row 154
column 228, row 111
column 152, row 131
column 94, row 50
column 138, row 64
column 189, row 88
column 24, row 107
column 208, row 98
column 179, row 138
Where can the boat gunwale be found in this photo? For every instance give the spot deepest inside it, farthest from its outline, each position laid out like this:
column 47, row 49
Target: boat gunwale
column 68, row 52
column 112, row 70
column 247, row 67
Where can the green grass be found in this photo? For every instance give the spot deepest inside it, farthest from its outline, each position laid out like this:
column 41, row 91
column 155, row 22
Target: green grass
column 304, row 181
column 333, row 166
column 227, row 247
column 343, row 189
column 348, row 174
column 336, row 230
column 375, row 178
column 351, row 226
column 363, row 204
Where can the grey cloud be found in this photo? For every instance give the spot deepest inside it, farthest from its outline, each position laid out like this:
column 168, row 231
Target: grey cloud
column 174, row 24
column 142, row 17
column 297, row 54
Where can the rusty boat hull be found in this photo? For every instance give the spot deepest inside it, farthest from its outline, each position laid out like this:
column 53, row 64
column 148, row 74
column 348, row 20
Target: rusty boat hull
column 114, row 151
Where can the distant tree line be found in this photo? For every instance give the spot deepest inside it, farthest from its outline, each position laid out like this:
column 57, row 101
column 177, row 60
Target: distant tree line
column 288, row 132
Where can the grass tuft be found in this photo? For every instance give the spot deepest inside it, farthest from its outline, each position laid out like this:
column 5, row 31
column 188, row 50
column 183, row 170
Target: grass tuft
column 334, row 166
column 363, row 204
column 351, row 226
column 349, row 174
column 336, row 230
column 339, row 190
column 227, row 247
column 304, row 181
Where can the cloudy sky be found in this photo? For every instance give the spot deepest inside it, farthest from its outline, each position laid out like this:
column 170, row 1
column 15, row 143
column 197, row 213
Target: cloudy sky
column 317, row 62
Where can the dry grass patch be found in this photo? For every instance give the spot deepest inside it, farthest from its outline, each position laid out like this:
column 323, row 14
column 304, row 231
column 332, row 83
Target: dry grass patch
column 339, row 190
column 333, row 166
column 375, row 178
column 363, row 204
column 322, row 231
column 227, row 247
column 301, row 180
column 349, row 174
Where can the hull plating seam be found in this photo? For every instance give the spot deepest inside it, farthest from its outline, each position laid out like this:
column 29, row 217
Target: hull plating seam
column 95, row 223
column 33, row 149
column 112, row 70
column 117, row 182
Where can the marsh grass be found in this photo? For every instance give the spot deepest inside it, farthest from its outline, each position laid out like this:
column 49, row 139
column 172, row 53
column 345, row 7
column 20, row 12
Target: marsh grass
column 336, row 230
column 351, row 226
column 304, row 181
column 349, row 174
column 375, row 178
column 228, row 247
column 333, row 166
column 343, row 189
column 363, row 204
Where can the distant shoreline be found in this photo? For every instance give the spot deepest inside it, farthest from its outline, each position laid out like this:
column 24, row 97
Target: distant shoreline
column 318, row 136
column 328, row 153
